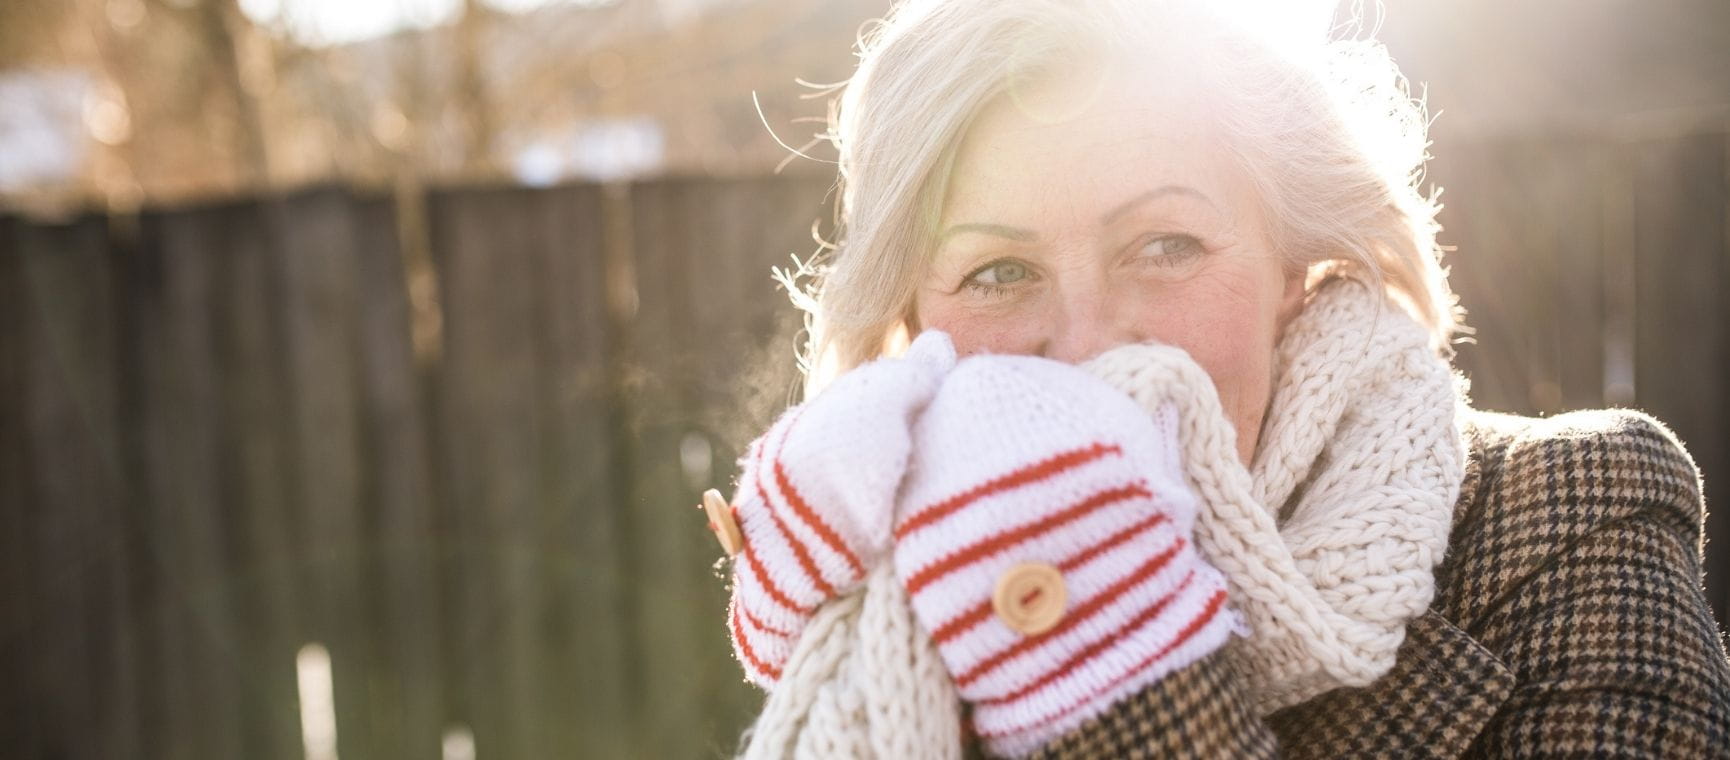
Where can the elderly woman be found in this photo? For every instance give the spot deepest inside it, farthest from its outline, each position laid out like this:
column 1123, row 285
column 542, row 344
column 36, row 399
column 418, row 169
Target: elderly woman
column 1177, row 464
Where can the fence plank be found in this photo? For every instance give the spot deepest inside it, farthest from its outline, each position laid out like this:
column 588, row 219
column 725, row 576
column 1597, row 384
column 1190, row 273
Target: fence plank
column 491, row 431
column 1529, row 216
column 580, row 706
column 322, row 349
column 257, row 470
column 19, row 727
column 194, row 632
column 125, row 731
column 406, row 706
column 57, row 598
column 755, row 328
column 1683, row 317
column 1564, row 206
column 73, row 461
column 670, row 550
column 1480, row 244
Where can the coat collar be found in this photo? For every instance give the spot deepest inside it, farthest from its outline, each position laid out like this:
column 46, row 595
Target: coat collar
column 1444, row 688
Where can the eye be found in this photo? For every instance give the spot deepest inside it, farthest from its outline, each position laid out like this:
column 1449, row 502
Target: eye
column 1170, row 250
column 1000, row 272
column 999, row 278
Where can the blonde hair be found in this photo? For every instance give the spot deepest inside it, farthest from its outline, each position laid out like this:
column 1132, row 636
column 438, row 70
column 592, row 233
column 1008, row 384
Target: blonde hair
column 1326, row 131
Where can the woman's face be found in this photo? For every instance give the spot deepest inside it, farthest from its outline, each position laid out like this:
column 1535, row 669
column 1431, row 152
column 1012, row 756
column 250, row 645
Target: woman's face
column 1086, row 212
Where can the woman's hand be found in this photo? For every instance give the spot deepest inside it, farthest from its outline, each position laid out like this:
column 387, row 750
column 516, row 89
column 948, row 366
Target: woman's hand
column 1043, row 536
column 816, row 499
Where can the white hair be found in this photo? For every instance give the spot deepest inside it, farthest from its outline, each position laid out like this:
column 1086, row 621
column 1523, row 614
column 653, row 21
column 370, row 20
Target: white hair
column 1325, row 130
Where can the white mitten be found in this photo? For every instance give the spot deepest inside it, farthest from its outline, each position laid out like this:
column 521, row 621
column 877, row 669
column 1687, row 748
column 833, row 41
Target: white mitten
column 1043, row 536
column 816, row 496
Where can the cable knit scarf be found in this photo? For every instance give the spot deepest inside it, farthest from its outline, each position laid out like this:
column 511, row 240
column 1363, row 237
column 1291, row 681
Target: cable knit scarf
column 1330, row 540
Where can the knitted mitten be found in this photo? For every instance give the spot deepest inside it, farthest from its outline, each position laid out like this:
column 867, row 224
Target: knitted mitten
column 815, row 498
column 1044, row 538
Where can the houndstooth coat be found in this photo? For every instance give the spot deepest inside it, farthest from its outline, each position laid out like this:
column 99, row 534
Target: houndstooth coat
column 1568, row 621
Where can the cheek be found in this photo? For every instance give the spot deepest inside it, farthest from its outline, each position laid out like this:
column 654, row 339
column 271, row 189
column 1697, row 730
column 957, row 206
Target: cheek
column 1234, row 349
column 975, row 332
column 1231, row 335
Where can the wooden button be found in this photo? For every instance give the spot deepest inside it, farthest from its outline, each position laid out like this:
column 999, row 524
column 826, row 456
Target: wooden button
column 1030, row 598
column 722, row 523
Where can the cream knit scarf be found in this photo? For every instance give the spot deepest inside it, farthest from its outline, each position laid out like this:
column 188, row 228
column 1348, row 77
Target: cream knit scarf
column 1329, row 540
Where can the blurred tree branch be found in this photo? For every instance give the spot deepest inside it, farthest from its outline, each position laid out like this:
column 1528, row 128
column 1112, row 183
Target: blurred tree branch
column 227, row 36
column 472, row 102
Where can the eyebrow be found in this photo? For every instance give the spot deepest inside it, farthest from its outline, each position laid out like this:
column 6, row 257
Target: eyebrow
column 1127, row 206
column 1013, row 233
column 1027, row 236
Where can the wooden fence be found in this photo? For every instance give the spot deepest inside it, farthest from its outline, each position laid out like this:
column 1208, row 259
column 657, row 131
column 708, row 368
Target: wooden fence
column 219, row 441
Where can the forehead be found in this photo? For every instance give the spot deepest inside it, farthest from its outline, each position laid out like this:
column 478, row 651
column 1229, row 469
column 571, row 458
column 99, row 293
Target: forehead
column 1081, row 138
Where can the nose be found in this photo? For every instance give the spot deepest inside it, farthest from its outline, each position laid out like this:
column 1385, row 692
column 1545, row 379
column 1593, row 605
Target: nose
column 1088, row 324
